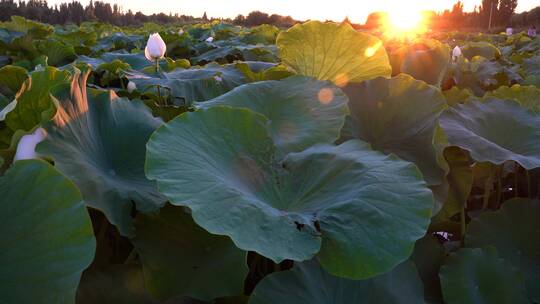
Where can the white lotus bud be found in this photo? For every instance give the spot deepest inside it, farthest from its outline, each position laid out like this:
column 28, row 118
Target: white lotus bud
column 180, row 32
column 509, row 31
column 26, row 149
column 210, row 39
column 456, row 53
column 218, row 78
column 131, row 86
column 155, row 47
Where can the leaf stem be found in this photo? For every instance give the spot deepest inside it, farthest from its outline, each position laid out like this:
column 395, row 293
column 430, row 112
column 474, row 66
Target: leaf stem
column 463, row 225
column 499, row 186
column 516, row 181
column 529, row 191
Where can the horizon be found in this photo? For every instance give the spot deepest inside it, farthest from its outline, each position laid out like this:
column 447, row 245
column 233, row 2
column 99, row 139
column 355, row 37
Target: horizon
column 298, row 9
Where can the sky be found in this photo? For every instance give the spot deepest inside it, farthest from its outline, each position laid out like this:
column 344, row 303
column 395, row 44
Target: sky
column 356, row 10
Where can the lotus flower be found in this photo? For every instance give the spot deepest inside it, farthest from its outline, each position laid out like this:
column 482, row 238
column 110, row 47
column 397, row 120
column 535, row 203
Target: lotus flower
column 180, row 32
column 456, row 53
column 509, row 31
column 26, row 149
column 218, row 78
column 210, row 39
column 131, row 86
column 155, row 48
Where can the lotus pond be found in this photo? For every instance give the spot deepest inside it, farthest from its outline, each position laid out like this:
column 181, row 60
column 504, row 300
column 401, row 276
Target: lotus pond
column 316, row 164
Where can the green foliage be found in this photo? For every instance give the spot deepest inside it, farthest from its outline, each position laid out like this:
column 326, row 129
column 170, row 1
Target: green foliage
column 46, row 235
column 267, row 165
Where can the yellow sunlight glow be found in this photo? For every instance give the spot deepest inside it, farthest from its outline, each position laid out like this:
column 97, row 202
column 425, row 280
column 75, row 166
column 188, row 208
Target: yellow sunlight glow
column 405, row 22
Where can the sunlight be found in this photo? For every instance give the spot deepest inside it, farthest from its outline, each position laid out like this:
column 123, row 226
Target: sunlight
column 405, row 22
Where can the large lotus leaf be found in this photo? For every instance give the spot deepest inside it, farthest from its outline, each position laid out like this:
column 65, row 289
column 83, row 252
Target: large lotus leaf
column 12, row 79
column 460, row 179
column 181, row 259
column 425, row 60
column 480, row 75
column 513, row 231
column 495, row 131
column 261, row 71
column 456, row 96
column 481, row 48
column 335, row 52
column 222, row 164
column 527, row 96
column 136, row 61
column 46, row 235
column 238, row 51
column 309, row 283
column 98, row 140
column 118, row 284
column 33, row 106
column 121, row 284
column 189, row 85
column 7, row 36
column 480, row 276
column 37, row 29
column 78, row 36
column 119, row 41
column 531, row 66
column 399, row 116
column 428, row 256
column 302, row 111
column 57, row 53
column 265, row 34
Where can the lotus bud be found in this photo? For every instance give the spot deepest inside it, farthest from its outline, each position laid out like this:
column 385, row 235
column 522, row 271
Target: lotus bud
column 209, row 39
column 456, row 53
column 26, row 149
column 155, row 48
column 509, row 31
column 131, row 86
column 180, row 32
column 218, row 78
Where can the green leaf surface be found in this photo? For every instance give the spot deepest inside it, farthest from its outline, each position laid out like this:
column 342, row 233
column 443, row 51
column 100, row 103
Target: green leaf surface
column 480, row 276
column 460, row 180
column 301, row 111
column 12, row 79
column 186, row 86
column 46, row 235
column 399, row 116
column 425, row 60
column 527, row 96
column 308, row 283
column 98, row 140
column 513, row 230
column 481, row 48
column 495, row 131
column 348, row 202
column 118, row 284
column 57, row 53
column 428, row 256
column 181, row 259
column 335, row 52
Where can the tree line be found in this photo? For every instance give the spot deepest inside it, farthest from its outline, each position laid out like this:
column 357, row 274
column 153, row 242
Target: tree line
column 494, row 14
column 75, row 12
column 501, row 12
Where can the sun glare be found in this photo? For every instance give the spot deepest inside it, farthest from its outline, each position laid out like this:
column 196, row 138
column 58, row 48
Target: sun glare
column 404, row 21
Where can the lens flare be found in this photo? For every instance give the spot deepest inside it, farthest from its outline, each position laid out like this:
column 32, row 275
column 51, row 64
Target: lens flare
column 405, row 22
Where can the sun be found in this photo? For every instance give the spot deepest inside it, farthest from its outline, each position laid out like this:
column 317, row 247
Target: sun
column 403, row 21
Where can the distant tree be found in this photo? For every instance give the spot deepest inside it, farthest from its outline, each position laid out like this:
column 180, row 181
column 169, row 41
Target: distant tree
column 239, row 20
column 487, row 9
column 257, row 18
column 506, row 10
column 204, row 17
